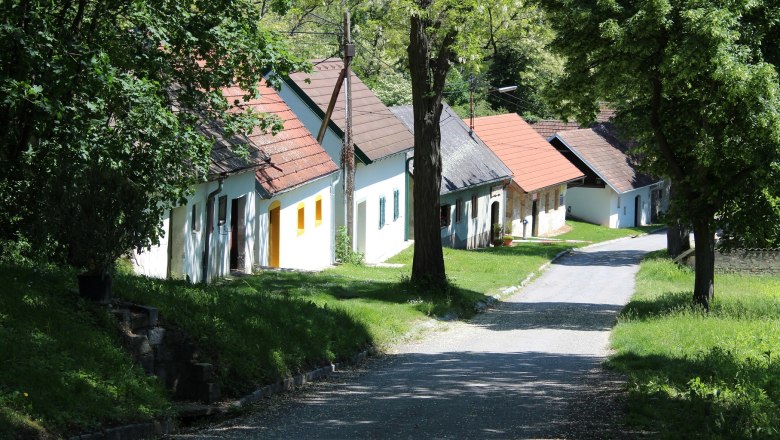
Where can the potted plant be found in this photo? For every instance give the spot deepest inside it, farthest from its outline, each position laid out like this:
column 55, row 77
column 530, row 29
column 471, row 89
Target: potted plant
column 497, row 236
column 507, row 237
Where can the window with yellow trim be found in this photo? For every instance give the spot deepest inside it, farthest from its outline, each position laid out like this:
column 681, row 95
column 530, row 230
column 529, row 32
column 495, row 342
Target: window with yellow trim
column 318, row 211
column 301, row 217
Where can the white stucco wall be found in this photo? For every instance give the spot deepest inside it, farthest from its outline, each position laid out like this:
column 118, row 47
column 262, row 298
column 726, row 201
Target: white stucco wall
column 154, row 262
column 372, row 181
column 470, row 232
column 380, row 179
column 312, row 250
column 594, row 205
column 519, row 209
column 604, row 207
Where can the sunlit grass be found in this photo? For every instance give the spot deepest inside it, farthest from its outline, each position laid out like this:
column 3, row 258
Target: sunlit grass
column 697, row 374
column 595, row 233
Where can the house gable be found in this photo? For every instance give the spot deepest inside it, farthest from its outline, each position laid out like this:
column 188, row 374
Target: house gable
column 535, row 164
column 377, row 132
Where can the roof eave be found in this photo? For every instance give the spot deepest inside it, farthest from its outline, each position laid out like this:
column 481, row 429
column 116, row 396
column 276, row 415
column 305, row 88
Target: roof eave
column 586, row 162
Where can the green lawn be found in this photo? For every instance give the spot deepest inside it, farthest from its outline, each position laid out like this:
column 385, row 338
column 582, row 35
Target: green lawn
column 595, row 233
column 64, row 369
column 693, row 375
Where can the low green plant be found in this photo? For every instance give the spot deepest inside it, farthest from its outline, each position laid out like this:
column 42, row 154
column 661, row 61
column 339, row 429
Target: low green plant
column 345, row 254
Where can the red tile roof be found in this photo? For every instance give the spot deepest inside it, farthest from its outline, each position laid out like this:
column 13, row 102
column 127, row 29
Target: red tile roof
column 296, row 156
column 606, row 156
column 377, row 132
column 534, row 162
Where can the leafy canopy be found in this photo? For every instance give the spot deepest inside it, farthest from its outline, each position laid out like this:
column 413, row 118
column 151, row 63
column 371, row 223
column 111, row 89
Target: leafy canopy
column 694, row 83
column 101, row 106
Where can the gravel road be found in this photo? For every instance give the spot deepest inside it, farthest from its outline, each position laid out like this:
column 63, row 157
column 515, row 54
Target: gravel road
column 527, row 368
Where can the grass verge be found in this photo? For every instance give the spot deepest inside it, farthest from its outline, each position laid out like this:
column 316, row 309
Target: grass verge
column 697, row 375
column 63, row 368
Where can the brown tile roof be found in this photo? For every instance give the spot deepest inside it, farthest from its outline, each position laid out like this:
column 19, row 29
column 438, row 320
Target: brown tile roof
column 377, row 132
column 534, row 162
column 548, row 127
column 606, row 156
column 295, row 155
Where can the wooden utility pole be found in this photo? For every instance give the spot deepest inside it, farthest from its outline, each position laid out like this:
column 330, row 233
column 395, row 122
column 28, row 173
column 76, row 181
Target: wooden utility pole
column 348, row 152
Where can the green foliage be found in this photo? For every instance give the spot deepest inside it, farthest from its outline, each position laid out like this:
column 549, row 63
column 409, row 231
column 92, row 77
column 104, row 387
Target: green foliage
column 698, row 375
column 345, row 254
column 63, row 367
column 692, row 84
column 393, row 89
column 101, row 114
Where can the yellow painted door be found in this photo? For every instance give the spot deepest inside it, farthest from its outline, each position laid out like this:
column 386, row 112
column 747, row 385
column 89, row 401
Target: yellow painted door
column 273, row 236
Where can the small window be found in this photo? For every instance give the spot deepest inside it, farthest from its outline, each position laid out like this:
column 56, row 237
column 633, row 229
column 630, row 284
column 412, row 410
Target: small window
column 474, row 206
column 444, row 216
column 458, row 210
column 381, row 212
column 618, row 202
column 396, row 204
column 301, row 218
column 624, row 210
column 318, row 211
column 222, row 210
column 195, row 219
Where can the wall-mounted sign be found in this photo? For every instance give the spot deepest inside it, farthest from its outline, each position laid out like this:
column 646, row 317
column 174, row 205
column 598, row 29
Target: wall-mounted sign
column 495, row 191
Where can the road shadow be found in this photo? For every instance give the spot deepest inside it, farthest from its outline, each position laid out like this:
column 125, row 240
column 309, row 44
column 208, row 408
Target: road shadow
column 616, row 258
column 441, row 395
column 509, row 316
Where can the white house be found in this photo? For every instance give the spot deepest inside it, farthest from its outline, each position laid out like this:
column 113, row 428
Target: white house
column 274, row 208
column 473, row 180
column 613, row 193
column 536, row 197
column 380, row 142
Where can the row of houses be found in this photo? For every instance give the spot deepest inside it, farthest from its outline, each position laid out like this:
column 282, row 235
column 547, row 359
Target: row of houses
column 282, row 205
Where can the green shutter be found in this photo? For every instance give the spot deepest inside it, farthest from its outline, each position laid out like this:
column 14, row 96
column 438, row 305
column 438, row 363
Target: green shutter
column 381, row 212
column 396, row 209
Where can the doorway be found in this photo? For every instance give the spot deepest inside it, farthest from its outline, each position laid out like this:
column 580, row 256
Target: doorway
column 493, row 220
column 535, row 218
column 360, row 231
column 637, row 211
column 176, row 251
column 273, row 234
column 237, row 233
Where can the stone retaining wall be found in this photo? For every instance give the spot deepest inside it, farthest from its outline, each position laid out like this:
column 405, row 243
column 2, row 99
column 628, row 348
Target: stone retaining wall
column 753, row 261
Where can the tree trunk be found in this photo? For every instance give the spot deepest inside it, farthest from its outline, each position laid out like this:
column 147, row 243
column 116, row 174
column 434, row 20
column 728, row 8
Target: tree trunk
column 704, row 285
column 427, row 76
column 678, row 238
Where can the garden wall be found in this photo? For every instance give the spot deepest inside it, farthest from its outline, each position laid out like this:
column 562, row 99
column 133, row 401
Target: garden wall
column 754, row 261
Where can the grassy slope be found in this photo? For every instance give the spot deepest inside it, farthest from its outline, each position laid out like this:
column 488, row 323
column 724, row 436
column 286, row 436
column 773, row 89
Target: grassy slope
column 693, row 375
column 62, row 366
column 66, row 356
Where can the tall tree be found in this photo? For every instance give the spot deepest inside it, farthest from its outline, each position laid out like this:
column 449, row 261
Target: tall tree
column 691, row 82
column 101, row 105
column 431, row 54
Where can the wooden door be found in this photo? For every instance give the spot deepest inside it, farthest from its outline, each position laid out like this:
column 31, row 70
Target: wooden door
column 273, row 235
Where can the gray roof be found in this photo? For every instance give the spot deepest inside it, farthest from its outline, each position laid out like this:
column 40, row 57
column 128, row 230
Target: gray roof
column 466, row 160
